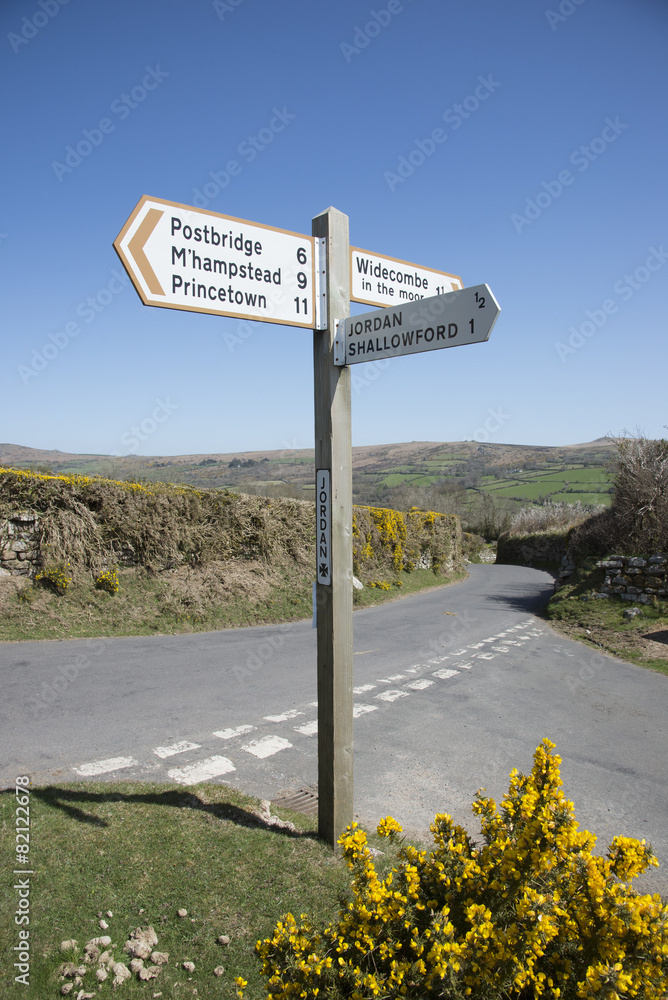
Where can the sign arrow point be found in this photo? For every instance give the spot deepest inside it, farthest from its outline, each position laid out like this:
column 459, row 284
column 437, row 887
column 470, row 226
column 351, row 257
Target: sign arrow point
column 136, row 249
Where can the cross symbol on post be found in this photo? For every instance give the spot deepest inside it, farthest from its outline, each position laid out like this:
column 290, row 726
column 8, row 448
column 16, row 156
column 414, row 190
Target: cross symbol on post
column 323, row 569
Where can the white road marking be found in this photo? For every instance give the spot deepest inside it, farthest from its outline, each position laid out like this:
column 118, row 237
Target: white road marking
column 212, row 767
column 486, row 656
column 397, row 677
column 477, row 645
column 105, row 766
column 444, row 673
column 501, row 649
column 459, row 652
column 464, row 666
column 392, row 695
column 363, row 688
column 228, row 734
column 290, row 714
column 361, row 709
column 267, row 746
column 310, row 729
column 175, row 748
column 420, row 685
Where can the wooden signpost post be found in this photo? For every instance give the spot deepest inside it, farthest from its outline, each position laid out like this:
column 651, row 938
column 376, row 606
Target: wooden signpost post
column 181, row 257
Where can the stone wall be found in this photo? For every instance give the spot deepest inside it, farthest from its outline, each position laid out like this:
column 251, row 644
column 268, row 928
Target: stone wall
column 542, row 549
column 20, row 545
column 633, row 578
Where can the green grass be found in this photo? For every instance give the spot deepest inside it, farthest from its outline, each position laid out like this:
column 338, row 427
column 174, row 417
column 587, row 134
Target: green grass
column 555, row 489
column 577, row 476
column 601, row 623
column 144, row 851
column 148, row 605
column 401, row 585
column 587, row 485
column 522, row 491
column 399, row 478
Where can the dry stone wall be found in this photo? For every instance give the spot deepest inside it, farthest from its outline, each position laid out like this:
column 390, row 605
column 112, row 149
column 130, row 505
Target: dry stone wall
column 20, row 545
column 633, row 578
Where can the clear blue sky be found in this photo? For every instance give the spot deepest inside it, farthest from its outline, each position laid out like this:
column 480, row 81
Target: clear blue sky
column 517, row 89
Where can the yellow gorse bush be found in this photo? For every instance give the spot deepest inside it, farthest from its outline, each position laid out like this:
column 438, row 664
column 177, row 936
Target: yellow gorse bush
column 56, row 577
column 402, row 536
column 108, row 581
column 528, row 913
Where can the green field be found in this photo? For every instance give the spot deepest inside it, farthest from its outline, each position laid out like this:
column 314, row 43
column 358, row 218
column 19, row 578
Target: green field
column 415, row 479
column 567, row 485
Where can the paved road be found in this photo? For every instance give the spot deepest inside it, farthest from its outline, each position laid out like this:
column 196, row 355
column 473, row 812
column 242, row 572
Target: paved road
column 454, row 687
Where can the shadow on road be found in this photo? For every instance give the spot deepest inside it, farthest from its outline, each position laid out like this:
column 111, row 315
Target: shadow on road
column 73, row 801
column 518, row 599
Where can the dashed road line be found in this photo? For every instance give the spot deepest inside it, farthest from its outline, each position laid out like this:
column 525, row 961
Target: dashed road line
column 181, row 747
column 229, row 734
column 310, row 729
column 267, row 746
column 292, row 713
column 392, row 695
column 361, row 709
column 105, row 766
column 203, row 770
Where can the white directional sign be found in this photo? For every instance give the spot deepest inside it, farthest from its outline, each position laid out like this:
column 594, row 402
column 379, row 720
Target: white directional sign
column 188, row 258
column 463, row 317
column 378, row 280
column 323, row 518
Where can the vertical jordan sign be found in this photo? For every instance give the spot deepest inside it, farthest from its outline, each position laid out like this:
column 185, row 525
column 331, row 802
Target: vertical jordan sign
column 324, row 522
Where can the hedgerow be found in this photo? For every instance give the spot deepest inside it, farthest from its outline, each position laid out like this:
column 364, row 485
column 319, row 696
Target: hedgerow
column 87, row 519
column 528, row 913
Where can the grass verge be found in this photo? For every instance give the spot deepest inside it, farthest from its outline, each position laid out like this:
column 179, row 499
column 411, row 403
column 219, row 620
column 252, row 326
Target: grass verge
column 143, row 852
column 600, row 622
column 401, row 585
column 185, row 600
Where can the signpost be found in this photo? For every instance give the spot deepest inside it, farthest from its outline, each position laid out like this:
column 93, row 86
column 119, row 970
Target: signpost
column 188, row 258
column 378, row 280
column 450, row 320
column 180, row 257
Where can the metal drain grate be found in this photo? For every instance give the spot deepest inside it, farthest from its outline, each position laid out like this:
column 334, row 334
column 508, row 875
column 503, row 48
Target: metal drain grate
column 304, row 800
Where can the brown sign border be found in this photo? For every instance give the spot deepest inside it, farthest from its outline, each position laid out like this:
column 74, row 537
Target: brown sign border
column 129, row 264
column 395, row 260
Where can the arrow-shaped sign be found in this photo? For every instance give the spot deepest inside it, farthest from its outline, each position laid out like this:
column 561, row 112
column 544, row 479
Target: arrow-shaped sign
column 181, row 257
column 462, row 317
column 136, row 247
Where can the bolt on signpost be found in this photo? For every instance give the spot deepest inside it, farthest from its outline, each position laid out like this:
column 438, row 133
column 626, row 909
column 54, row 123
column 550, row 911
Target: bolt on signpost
column 181, row 257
